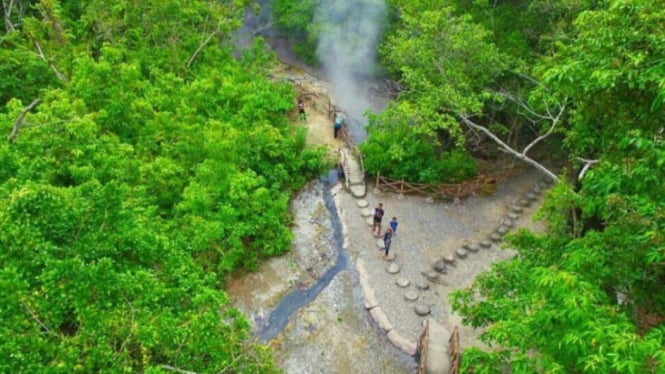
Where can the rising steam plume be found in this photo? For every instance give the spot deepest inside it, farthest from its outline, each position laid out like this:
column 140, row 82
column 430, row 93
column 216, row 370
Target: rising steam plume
column 347, row 48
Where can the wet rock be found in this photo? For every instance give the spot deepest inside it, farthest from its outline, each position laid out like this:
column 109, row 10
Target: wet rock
column 402, row 282
column 495, row 237
column 461, row 252
column 405, row 345
column 393, row 268
column 381, row 319
column 440, row 267
column 362, row 203
column 421, row 309
column 516, row 209
column 449, row 258
column 421, row 285
column 411, row 295
column 502, row 230
column 366, row 212
column 485, row 243
column 473, row 247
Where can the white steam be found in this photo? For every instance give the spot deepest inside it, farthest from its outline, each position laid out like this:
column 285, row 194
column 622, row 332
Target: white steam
column 347, row 48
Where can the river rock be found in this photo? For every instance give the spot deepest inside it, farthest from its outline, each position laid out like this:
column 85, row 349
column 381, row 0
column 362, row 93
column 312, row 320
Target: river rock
column 422, row 285
column 523, row 203
column 502, row 230
column 531, row 196
column 431, row 275
column 495, row 237
column 421, row 309
column 366, row 212
column 507, row 221
column 362, row 203
column 380, row 244
column 473, row 247
column 402, row 282
column 513, row 215
column 440, row 267
column 411, row 295
column 405, row 345
column 449, row 258
column 461, row 252
column 466, row 245
column 381, row 319
column 485, row 243
column 516, row 209
column 393, row 268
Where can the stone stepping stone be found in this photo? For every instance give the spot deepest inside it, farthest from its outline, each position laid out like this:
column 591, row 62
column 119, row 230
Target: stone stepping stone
column 485, row 243
column 516, row 209
column 421, row 309
column 473, row 247
column 380, row 244
column 507, row 221
column 431, row 275
column 513, row 216
column 362, row 203
column 393, row 268
column 523, row 203
column 391, row 257
column 536, row 188
column 369, row 221
column 439, row 267
column 366, row 212
column 466, row 245
column 531, row 196
column 449, row 258
column 421, row 285
column 496, row 237
column 402, row 282
column 461, row 252
column 411, row 295
column 502, row 230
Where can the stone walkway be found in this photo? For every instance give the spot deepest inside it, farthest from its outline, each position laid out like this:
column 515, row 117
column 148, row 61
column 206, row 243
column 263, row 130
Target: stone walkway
column 436, row 250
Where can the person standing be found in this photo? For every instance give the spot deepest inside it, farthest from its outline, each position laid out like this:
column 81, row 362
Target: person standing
column 337, row 125
column 387, row 240
column 378, row 215
column 301, row 110
column 393, row 225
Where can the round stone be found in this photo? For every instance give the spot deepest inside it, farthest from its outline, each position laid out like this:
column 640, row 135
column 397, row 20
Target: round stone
column 411, row 295
column 369, row 221
column 513, row 216
column 421, row 309
column 516, row 209
column 495, row 237
column 474, row 247
column 421, row 285
column 439, row 267
column 380, row 244
column 502, row 230
column 362, row 203
column 466, row 245
column 542, row 185
column 523, row 203
column 393, row 268
column 531, row 196
column 461, row 252
column 536, row 188
column 449, row 258
column 485, row 243
column 431, row 276
column 402, row 282
column 366, row 212
column 391, row 256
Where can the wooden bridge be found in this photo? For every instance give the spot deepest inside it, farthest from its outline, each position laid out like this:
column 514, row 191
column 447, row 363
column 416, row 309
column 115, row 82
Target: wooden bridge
column 351, row 162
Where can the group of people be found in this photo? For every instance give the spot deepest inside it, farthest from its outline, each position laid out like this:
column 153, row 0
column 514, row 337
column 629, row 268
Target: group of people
column 338, row 121
column 390, row 230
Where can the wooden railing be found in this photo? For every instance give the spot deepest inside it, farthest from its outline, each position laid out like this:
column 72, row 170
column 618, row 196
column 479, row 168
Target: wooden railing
column 479, row 186
column 454, row 351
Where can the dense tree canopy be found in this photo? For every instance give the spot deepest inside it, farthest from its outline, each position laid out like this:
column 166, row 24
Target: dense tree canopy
column 150, row 164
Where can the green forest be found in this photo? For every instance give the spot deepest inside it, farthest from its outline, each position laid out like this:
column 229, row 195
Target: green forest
column 145, row 158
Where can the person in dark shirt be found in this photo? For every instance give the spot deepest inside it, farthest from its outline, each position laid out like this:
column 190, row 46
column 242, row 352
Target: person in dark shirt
column 387, row 240
column 301, row 110
column 378, row 215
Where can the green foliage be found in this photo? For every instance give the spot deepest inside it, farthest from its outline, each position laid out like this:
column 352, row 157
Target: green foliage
column 155, row 164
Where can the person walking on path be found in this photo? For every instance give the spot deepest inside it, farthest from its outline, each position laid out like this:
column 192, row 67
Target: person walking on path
column 393, row 225
column 301, row 110
column 387, row 240
column 378, row 215
column 337, row 125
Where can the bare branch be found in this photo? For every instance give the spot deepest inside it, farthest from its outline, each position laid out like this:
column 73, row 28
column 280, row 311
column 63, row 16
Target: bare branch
column 201, row 46
column 50, row 64
column 507, row 148
column 21, row 118
column 587, row 165
column 34, row 316
column 554, row 122
column 177, row 370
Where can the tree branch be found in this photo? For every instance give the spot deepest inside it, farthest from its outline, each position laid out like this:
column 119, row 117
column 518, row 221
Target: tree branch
column 201, row 46
column 520, row 155
column 21, row 118
column 49, row 63
column 177, row 370
column 587, row 165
